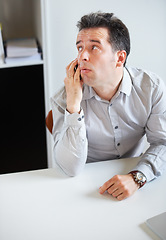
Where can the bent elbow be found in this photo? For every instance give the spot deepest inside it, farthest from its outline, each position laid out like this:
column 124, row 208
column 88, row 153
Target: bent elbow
column 71, row 171
column 71, row 162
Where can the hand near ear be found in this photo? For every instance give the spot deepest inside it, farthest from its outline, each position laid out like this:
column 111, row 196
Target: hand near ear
column 73, row 86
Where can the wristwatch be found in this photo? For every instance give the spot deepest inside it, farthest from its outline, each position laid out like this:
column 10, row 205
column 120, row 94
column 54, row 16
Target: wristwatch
column 138, row 177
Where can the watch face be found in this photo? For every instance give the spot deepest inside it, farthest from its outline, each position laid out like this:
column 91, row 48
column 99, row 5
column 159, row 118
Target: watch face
column 140, row 176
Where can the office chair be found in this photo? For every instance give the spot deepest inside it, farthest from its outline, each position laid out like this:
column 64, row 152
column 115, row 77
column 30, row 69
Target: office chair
column 49, row 121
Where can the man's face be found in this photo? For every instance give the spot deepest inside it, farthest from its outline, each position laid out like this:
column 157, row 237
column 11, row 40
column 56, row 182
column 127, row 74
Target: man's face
column 96, row 59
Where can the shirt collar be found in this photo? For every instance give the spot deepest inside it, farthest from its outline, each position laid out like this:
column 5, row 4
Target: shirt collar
column 126, row 84
column 88, row 92
column 124, row 87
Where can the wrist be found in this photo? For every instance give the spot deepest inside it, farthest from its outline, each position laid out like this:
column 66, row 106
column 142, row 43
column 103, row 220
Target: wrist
column 139, row 178
column 73, row 109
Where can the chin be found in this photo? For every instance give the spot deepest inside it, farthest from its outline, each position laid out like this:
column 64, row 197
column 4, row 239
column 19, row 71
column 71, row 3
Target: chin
column 86, row 79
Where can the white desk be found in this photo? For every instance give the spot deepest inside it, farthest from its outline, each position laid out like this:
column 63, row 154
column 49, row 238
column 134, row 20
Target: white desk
column 48, row 205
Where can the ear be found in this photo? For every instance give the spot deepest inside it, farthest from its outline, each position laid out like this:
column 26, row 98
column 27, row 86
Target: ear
column 121, row 57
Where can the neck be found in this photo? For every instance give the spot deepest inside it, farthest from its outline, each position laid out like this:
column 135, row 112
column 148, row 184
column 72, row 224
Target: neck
column 108, row 90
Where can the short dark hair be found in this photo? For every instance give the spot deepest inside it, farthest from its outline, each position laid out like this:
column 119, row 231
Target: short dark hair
column 119, row 36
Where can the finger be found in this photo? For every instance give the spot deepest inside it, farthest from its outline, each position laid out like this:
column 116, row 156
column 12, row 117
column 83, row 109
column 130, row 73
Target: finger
column 112, row 189
column 70, row 68
column 65, row 81
column 106, row 186
column 77, row 75
column 117, row 192
column 121, row 197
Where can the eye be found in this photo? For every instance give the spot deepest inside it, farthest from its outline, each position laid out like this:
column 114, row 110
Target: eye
column 94, row 47
column 79, row 48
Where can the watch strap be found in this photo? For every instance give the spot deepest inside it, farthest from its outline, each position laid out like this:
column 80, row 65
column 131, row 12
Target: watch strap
column 142, row 182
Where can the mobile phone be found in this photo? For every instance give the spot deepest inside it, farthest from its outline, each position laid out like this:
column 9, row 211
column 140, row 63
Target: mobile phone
column 75, row 68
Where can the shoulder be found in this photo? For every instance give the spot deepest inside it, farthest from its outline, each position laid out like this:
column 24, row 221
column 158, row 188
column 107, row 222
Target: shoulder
column 141, row 75
column 144, row 78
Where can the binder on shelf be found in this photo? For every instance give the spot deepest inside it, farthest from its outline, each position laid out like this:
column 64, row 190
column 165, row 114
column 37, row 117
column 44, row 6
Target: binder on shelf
column 21, row 47
column 2, row 56
column 22, row 51
column 15, row 60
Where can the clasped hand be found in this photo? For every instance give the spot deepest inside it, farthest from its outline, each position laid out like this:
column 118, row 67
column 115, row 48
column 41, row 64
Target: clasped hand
column 120, row 186
column 73, row 85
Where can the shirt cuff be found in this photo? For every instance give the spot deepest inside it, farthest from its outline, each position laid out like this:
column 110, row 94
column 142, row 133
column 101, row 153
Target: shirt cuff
column 74, row 119
column 146, row 170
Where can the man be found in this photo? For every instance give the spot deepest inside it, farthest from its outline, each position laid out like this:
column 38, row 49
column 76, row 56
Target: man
column 105, row 109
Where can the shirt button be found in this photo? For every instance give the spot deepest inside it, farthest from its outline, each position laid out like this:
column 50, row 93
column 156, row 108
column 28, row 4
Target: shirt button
column 116, row 127
column 79, row 119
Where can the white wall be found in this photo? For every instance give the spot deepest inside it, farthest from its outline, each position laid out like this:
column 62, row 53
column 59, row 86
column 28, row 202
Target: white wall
column 145, row 19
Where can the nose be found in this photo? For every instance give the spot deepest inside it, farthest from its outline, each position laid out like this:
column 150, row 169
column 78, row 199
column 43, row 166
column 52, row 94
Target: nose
column 83, row 56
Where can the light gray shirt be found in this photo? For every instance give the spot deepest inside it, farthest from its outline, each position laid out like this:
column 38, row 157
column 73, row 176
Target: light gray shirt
column 106, row 130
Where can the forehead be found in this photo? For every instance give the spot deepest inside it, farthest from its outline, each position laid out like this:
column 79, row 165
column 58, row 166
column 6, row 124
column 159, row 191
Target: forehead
column 99, row 34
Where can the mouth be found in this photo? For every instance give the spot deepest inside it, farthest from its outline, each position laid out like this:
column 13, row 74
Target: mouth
column 85, row 70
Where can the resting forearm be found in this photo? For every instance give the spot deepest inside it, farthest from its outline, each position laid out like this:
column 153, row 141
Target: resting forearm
column 153, row 162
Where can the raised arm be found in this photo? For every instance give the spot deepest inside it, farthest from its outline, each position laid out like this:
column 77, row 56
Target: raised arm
column 69, row 132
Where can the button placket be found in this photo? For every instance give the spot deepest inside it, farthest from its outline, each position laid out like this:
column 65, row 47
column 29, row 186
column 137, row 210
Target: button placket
column 117, row 132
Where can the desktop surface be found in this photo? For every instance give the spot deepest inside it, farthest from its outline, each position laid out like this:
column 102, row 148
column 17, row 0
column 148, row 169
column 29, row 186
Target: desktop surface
column 47, row 204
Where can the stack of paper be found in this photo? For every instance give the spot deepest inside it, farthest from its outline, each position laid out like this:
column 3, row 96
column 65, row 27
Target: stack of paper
column 1, row 49
column 22, row 50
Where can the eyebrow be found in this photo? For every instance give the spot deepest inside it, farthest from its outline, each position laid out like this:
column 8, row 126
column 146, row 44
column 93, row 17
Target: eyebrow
column 97, row 41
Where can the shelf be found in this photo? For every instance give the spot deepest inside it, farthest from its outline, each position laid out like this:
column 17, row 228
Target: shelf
column 23, row 111
column 21, row 64
column 23, row 130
